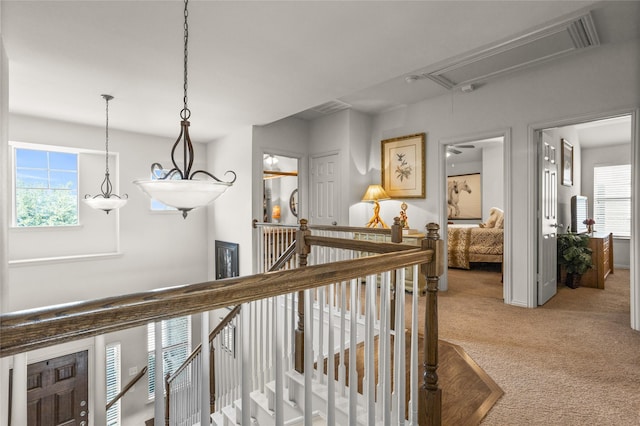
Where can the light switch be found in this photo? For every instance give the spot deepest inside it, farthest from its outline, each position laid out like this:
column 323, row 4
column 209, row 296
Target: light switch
column 133, row 371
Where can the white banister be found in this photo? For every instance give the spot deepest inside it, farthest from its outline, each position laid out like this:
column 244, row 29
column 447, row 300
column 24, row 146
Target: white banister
column 159, row 379
column 413, row 394
column 331, row 387
column 308, row 356
column 353, row 343
column 205, row 408
column 245, row 320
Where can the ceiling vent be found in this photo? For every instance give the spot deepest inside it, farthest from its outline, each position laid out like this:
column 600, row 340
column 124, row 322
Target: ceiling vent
column 331, row 107
column 528, row 49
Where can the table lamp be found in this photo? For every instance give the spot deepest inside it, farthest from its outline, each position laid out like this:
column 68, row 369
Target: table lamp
column 375, row 193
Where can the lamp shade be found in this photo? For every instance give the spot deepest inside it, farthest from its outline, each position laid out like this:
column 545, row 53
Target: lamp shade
column 106, row 204
column 375, row 193
column 183, row 194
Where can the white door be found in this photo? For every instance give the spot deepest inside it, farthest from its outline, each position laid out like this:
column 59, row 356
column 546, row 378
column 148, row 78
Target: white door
column 548, row 220
column 325, row 194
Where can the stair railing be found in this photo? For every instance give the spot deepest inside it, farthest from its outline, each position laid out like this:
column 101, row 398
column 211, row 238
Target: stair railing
column 29, row 330
column 128, row 387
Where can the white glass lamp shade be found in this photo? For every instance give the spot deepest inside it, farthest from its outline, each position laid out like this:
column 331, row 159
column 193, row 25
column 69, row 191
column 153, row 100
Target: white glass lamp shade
column 106, row 204
column 183, row 194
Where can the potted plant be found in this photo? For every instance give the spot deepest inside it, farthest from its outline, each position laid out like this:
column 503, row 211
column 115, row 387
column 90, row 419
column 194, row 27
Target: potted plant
column 575, row 255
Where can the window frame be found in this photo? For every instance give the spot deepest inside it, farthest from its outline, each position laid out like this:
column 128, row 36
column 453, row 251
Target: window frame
column 117, row 407
column 15, row 146
column 597, row 199
column 151, row 352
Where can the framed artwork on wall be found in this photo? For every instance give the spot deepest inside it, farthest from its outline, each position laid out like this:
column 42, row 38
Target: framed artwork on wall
column 567, row 163
column 464, row 196
column 226, row 259
column 403, row 166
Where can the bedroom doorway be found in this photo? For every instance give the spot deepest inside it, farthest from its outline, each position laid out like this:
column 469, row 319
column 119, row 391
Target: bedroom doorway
column 475, row 189
column 591, row 147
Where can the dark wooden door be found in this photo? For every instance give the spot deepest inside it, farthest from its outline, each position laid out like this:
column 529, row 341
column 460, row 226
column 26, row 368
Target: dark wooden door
column 57, row 391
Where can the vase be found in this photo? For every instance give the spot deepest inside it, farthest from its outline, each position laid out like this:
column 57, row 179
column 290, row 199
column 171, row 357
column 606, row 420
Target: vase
column 573, row 280
column 590, row 229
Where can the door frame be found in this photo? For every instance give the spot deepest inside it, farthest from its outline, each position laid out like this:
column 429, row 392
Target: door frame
column 51, row 352
column 505, row 134
column 634, row 245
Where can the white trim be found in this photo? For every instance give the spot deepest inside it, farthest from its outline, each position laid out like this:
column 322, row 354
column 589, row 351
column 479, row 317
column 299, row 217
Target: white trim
column 505, row 134
column 634, row 246
column 60, row 259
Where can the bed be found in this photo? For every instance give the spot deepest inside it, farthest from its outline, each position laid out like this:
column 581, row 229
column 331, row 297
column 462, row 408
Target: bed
column 471, row 243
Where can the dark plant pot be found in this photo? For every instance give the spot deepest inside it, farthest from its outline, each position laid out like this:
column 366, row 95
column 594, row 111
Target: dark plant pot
column 573, row 280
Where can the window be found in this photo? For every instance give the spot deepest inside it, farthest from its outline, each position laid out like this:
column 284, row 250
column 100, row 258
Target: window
column 113, row 383
column 612, row 199
column 155, row 204
column 46, row 187
column 176, row 346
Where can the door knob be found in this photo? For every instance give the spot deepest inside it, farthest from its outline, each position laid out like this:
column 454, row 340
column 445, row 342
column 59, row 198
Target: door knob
column 334, row 223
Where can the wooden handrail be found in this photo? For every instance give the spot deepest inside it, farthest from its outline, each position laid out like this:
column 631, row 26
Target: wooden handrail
column 127, row 387
column 354, row 229
column 358, row 245
column 37, row 328
column 335, row 228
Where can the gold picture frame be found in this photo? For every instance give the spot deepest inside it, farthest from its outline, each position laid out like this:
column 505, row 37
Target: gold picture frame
column 403, row 166
column 567, row 163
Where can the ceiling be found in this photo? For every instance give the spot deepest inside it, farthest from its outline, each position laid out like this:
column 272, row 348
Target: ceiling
column 252, row 63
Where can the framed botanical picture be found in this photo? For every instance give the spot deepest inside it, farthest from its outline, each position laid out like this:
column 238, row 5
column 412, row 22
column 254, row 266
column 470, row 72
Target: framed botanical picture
column 403, row 166
column 567, row 163
column 226, row 259
column 464, row 196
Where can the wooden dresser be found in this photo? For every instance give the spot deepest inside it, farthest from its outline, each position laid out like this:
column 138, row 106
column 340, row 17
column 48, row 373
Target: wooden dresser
column 601, row 245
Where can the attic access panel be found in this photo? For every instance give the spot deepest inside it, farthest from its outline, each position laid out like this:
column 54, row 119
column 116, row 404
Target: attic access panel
column 529, row 49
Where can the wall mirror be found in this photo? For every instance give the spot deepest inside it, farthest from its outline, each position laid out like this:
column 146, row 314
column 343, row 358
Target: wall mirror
column 280, row 189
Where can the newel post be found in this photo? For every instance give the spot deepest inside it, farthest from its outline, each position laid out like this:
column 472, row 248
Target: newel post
column 430, row 400
column 303, row 250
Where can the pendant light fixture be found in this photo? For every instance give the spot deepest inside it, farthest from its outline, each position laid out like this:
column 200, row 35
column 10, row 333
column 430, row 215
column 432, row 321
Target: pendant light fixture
column 177, row 187
column 106, row 200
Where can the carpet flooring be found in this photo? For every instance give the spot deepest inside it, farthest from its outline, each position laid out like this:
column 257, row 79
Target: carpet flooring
column 573, row 361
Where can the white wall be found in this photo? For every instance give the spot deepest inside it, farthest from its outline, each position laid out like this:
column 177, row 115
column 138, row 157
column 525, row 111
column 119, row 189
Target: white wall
column 606, row 156
column 230, row 217
column 492, row 179
column 570, row 87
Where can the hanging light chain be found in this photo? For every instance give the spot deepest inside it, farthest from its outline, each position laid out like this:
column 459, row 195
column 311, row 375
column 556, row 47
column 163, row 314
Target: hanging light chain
column 106, row 132
column 185, row 113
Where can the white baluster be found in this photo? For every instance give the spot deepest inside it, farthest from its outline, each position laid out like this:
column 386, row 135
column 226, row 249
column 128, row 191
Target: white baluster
column 413, row 396
column 369, row 372
column 353, row 343
column 331, row 387
column 308, row 356
column 320, row 361
column 277, row 354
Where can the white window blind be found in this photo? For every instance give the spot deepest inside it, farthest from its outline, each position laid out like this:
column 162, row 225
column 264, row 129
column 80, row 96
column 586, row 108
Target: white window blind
column 612, row 199
column 176, row 347
column 113, row 383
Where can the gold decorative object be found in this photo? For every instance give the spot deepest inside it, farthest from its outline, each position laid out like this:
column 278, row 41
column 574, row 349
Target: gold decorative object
column 375, row 193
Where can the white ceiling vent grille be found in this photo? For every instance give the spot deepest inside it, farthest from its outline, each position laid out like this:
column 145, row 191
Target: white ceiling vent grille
column 331, row 107
column 526, row 50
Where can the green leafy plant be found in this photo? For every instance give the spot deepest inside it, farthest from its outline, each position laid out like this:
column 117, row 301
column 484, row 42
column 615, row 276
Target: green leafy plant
column 574, row 253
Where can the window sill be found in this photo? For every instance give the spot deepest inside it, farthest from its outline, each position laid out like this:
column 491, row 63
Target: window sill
column 63, row 259
column 46, row 228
